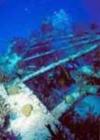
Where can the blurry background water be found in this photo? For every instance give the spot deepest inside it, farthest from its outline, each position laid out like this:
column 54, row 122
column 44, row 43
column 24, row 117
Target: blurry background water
column 20, row 17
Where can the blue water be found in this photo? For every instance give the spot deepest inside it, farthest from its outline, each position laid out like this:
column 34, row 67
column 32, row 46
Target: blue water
column 20, row 17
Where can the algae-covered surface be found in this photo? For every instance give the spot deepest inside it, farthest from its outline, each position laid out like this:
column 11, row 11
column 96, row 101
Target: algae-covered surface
column 49, row 78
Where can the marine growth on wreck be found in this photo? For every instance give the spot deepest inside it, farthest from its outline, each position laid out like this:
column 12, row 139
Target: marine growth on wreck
column 50, row 83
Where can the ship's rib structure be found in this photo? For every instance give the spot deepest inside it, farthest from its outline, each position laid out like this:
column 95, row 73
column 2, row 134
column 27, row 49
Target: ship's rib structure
column 45, row 77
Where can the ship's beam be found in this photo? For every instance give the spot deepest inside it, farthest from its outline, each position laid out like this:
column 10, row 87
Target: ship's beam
column 44, row 69
column 81, row 42
column 68, row 38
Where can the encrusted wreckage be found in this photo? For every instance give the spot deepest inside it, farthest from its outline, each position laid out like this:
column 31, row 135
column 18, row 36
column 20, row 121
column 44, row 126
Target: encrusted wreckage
column 46, row 76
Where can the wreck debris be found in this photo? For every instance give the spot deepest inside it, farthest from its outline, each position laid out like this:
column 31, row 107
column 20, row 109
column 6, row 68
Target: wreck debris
column 51, row 66
column 46, row 82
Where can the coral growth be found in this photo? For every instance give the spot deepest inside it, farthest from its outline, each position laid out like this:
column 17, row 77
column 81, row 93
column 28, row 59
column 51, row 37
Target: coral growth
column 62, row 67
column 4, row 121
column 4, row 110
column 82, row 128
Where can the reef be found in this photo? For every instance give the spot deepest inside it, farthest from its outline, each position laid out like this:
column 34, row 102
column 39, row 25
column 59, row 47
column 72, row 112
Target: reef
column 50, row 74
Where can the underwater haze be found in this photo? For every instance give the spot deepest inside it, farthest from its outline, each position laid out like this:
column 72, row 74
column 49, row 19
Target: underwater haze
column 49, row 69
column 21, row 17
